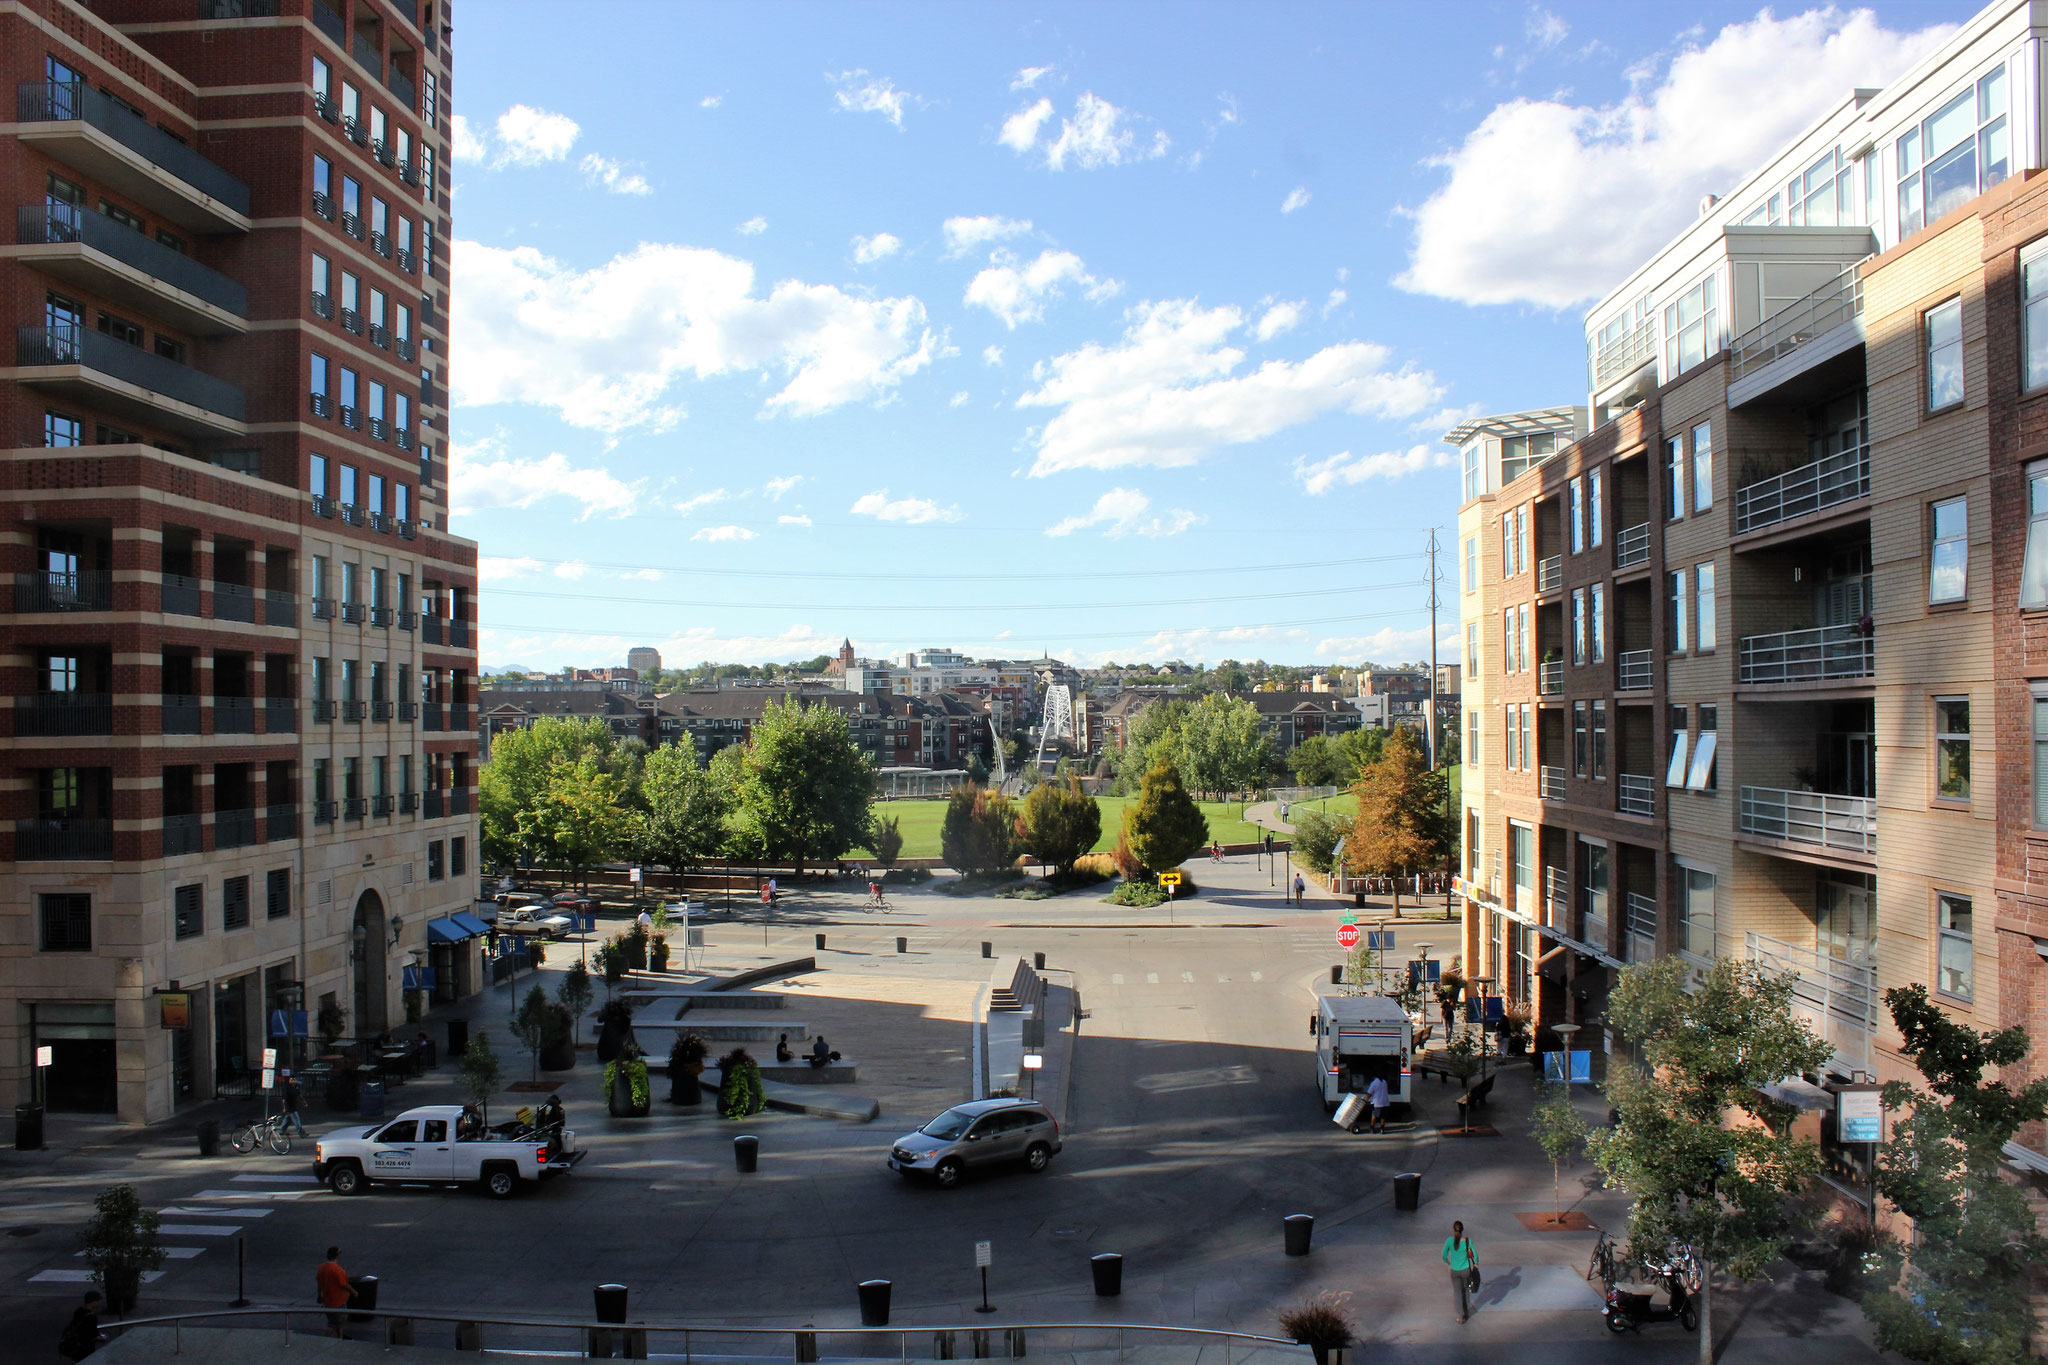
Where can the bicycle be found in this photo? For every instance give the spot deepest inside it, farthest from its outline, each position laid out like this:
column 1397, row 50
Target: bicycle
column 876, row 900
column 269, row 1130
column 1606, row 1263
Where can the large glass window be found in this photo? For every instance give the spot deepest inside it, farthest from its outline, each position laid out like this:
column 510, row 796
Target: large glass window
column 1510, row 758
column 1694, row 931
column 1474, row 454
column 1702, row 467
column 1471, row 648
column 1674, row 478
column 1674, row 775
column 1955, row 154
column 316, row 475
column 1522, row 538
column 1700, row 776
column 1597, row 610
column 1471, row 563
column 1674, row 611
column 1953, row 968
column 1823, row 196
column 1520, row 453
column 1507, row 545
column 1948, row 564
column 1692, row 328
column 1579, row 738
column 1577, row 494
column 1528, row 738
column 1944, row 332
column 1593, row 509
column 2034, row 573
column 2034, row 318
column 2040, row 762
column 1578, row 626
column 1952, row 748
column 1599, row 757
column 1703, row 626
column 1522, row 637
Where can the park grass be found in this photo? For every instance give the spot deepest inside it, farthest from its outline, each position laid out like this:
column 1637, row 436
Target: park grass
column 920, row 821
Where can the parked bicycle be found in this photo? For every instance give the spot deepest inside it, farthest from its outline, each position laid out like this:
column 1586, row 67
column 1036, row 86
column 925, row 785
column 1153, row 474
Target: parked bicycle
column 1605, row 1265
column 269, row 1130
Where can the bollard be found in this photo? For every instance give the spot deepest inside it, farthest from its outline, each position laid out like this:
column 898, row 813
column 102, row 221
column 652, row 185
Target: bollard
column 398, row 1332
column 942, row 1346
column 610, row 1304
column 1408, row 1191
column 1108, row 1269
column 820, row 938
column 209, row 1137
column 469, row 1336
column 806, row 1348
column 902, row 944
column 1296, row 1229
column 1038, row 961
column 746, row 1154
column 874, row 1303
column 1015, row 1336
column 987, row 949
column 979, row 1338
column 1337, row 976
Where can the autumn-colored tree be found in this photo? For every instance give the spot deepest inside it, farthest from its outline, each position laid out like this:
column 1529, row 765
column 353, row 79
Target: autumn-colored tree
column 1401, row 828
column 1164, row 827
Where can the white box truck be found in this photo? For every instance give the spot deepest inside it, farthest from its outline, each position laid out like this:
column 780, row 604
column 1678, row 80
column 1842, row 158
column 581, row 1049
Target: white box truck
column 1359, row 1037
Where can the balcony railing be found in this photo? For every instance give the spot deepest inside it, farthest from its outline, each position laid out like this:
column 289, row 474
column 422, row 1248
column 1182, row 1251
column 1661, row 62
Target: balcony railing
column 324, row 709
column 323, row 609
column 180, row 713
column 280, row 823
column 353, row 612
column 1837, row 998
column 401, row 85
column 1632, row 546
column 380, row 710
column 328, row 21
column 458, row 633
column 1550, row 574
column 408, row 802
column 432, row 716
column 1634, row 669
column 1557, row 898
column 234, row 828
column 181, row 835
column 435, row 805
column 353, row 513
column 355, row 808
column 1641, row 911
column 1594, row 929
column 458, row 800
column 407, row 530
column 323, row 207
column 1625, row 356
column 407, row 620
column 365, row 52
column 1816, row 655
column 1550, row 782
column 380, row 616
column 180, row 595
column 408, row 711
column 430, row 628
column 381, row 805
column 1638, row 794
column 1813, row 819
column 280, row 716
column 47, row 224
column 1838, row 301
column 458, row 717
column 234, row 716
column 238, row 9
column 352, row 711
column 67, row 101
column 64, row 713
column 233, row 602
column 50, row 840
column 96, row 351
column 1550, row 677
column 50, row 590
column 280, row 608
column 1827, row 482
column 325, row 811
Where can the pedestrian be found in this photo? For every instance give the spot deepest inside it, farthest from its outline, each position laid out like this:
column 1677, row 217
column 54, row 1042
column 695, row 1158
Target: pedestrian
column 646, row 921
column 1464, row 1264
column 330, row 1281
column 292, row 1103
column 82, row 1335
column 1300, row 890
column 1376, row 1096
column 491, row 942
column 774, row 891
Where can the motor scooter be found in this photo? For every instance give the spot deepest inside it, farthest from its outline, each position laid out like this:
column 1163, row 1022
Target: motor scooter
column 1628, row 1312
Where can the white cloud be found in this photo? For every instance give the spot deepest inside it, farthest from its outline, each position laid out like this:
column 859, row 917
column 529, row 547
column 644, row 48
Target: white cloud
column 1121, row 512
column 1018, row 293
column 1099, row 134
column 684, row 649
column 1545, row 29
column 860, row 93
column 468, row 145
column 776, row 487
column 753, row 227
column 1390, row 644
column 688, row 506
column 1334, row 302
column 1281, row 317
column 608, row 174
column 796, row 519
column 1636, row 167
column 965, row 234
column 1020, row 130
column 867, row 250
column 528, row 136
column 491, row 567
column 916, row 511
column 483, row 476
column 1168, row 393
column 1226, row 108
column 959, row 399
column 571, row 569
column 605, row 347
column 719, row 533
column 642, row 576
column 1297, row 198
column 991, row 355
column 1029, row 77
column 711, row 101
column 1321, row 476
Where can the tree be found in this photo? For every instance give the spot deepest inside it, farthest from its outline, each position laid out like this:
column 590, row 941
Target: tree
column 1696, row 1177
column 1164, row 826
column 1061, row 822
column 684, row 820
column 1957, row 1295
column 979, row 831
column 805, row 787
column 580, row 819
column 1401, row 828
column 1315, row 839
column 1558, row 1129
column 530, row 1024
column 516, row 779
column 1222, row 747
column 888, row 841
column 1319, row 761
column 1152, row 732
column 122, row 1241
column 481, row 1073
column 575, row 993
column 1363, row 748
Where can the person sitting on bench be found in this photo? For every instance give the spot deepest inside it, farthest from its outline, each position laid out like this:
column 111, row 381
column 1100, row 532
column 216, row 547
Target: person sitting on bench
column 822, row 1053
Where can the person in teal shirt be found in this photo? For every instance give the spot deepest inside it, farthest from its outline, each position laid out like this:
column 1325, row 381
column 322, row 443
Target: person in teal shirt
column 1459, row 1256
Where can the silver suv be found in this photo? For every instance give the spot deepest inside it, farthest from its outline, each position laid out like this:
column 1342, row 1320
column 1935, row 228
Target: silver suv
column 979, row 1133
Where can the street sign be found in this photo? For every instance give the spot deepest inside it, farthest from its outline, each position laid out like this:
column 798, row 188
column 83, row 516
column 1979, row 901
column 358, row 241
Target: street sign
column 1347, row 936
column 1859, row 1115
column 634, row 876
column 46, row 1055
column 1381, row 941
column 1337, row 851
column 269, row 1058
column 1347, row 918
column 1169, row 879
column 177, row 1008
column 984, row 1257
column 269, row 1079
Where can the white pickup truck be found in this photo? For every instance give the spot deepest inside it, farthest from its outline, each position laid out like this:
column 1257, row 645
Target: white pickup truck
column 419, row 1147
column 535, row 919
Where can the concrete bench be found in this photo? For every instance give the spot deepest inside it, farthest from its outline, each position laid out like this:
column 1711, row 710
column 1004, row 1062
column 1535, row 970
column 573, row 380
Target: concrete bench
column 1024, row 988
column 842, row 1072
column 734, row 1030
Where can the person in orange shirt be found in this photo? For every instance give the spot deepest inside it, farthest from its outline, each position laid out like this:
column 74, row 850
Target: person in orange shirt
column 331, row 1282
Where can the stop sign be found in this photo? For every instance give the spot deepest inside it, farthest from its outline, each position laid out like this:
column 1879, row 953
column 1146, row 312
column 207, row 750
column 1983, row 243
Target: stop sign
column 1347, row 936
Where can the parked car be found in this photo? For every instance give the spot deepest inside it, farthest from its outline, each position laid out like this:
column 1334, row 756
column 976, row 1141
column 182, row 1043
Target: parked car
column 979, row 1133
column 421, row 1147
column 535, row 919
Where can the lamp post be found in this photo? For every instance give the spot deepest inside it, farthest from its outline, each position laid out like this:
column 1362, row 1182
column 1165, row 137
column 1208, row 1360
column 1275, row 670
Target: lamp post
column 1567, row 1030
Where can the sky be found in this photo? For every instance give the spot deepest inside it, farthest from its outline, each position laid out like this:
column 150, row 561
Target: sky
column 1125, row 332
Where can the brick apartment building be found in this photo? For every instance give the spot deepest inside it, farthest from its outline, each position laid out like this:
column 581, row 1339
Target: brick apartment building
column 940, row 731
column 237, row 633
column 1757, row 665
column 1288, row 718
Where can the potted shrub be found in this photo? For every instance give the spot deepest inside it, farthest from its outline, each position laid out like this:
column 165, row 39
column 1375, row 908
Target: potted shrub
column 633, row 943
column 121, row 1242
column 615, row 1030
column 574, row 994
column 685, row 1065
column 739, row 1085
column 480, row 1072
column 625, row 1085
column 1514, row 1027
column 657, row 953
column 1320, row 1323
column 329, row 1023
column 558, row 1039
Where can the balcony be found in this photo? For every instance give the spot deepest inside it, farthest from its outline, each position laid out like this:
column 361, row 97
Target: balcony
column 1550, row 782
column 407, row 620
column 408, row 712
column 352, row 711
column 1557, row 898
column 458, row 800
column 352, row 514
column 1836, row 304
column 379, row 521
column 353, row 613
column 1550, row 677
column 48, row 590
column 1839, row 478
column 407, row 530
column 180, row 713
column 1837, row 999
column 408, row 802
column 322, row 405
column 328, row 21
column 351, row 322
column 1632, row 546
column 110, row 261
column 435, row 805
column 234, row 716
column 324, row 710
column 379, row 334
column 280, row 609
column 280, row 823
column 181, row 835
column 1824, row 654
column 380, row 710
column 402, row 438
column 1550, row 574
column 234, row 828
column 180, row 595
column 324, row 812
column 355, row 131
column 233, row 602
column 401, row 86
column 280, row 716
column 325, row 108
column 63, row 713
column 1631, row 353
column 323, row 609
column 458, row 634
column 380, row 430
column 323, row 305
column 406, row 350
column 63, row 840
column 1814, row 820
column 366, row 55
column 380, row 616
column 1641, row 922
column 1638, row 794
column 352, row 224
column 1634, row 670
column 85, row 128
column 94, row 368
column 323, row 206
column 430, row 628
column 354, row 808
column 458, row 718
column 381, row 805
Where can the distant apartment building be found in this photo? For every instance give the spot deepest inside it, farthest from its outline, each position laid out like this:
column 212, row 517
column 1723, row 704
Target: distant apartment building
column 921, row 732
column 1288, row 718
column 1757, row 666
column 627, row 710
column 645, row 660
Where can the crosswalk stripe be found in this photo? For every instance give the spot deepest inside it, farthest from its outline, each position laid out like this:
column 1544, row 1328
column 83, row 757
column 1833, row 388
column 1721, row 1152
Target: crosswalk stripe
column 246, row 1211
column 1257, row 976
column 82, row 1277
column 175, row 1253
column 250, row 1179
column 1188, row 977
column 1116, row 978
column 198, row 1229
column 1151, row 978
column 253, row 1194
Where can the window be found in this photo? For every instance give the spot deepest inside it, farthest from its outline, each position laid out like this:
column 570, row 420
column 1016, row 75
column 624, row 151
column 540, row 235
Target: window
column 2034, row 575
column 66, row 918
column 1674, row 478
column 1593, row 534
column 351, row 197
column 376, row 405
column 1694, row 931
column 404, row 147
column 376, row 503
column 434, row 873
column 1507, row 545
column 1599, row 758
column 431, row 101
column 170, row 348
column 1597, row 610
column 318, row 386
column 1953, row 974
column 1472, row 738
column 120, row 328
column 1948, row 567
column 351, row 102
column 1822, row 197
column 1944, row 336
column 351, row 292
column 349, row 381
column 348, row 484
column 1674, row 611
column 1510, row 757
column 1522, row 538
column 1579, row 738
column 457, row 856
column 323, row 176
column 426, row 228
column 1474, row 454
column 2040, row 762
column 1471, row 563
column 404, row 760
column 132, row 221
column 316, row 475
column 1578, row 626
column 1952, row 748
column 234, row 903
column 1528, row 748
column 1701, row 777
column 323, row 79
column 278, row 892
column 1954, row 155
column 1692, row 328
column 188, row 911
column 1674, row 775
column 2034, row 318
column 401, row 413
column 379, row 126
column 1520, row 453
column 1471, row 648
column 1702, row 467
column 377, row 307
column 1576, row 496
column 1522, row 638
column 401, row 507
column 61, row 429
column 1703, row 629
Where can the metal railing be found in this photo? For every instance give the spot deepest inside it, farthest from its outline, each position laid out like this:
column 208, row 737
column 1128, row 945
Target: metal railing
column 354, row 807
column 1642, row 915
column 50, row 224
column 1557, row 898
column 180, row 595
column 431, row 717
column 131, row 364
column 53, row 590
column 458, row 633
column 1632, row 545
column 280, row 608
column 381, row 805
column 180, row 713
column 328, row 21
column 366, row 55
column 280, row 823
column 408, row 712
column 234, row 716
column 233, row 602
column 1838, row 998
column 1637, row 794
column 430, row 628
column 1634, row 669
column 1550, row 677
column 1550, row 782
column 1808, row 655
column 1824, row 483
column 280, row 716
column 1625, row 356
column 352, row 711
column 435, row 804
column 324, row 709
column 238, row 9
column 401, row 85
column 45, row 839
column 234, row 828
column 323, row 609
column 1838, row 301
column 458, row 716
column 1550, row 574
column 324, row 812
column 64, row 713
column 1816, row 819
column 68, row 101
column 181, row 835
column 458, row 800
column 408, row 803
column 380, row 710
column 352, row 613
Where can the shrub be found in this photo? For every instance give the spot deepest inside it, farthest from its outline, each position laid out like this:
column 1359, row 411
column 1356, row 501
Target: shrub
column 1139, row 893
column 1164, row 826
column 1315, row 839
column 636, row 1080
column 906, row 876
column 1320, row 1321
column 979, row 831
column 1127, row 865
column 739, row 1086
column 1061, row 822
column 1102, row 866
column 888, row 841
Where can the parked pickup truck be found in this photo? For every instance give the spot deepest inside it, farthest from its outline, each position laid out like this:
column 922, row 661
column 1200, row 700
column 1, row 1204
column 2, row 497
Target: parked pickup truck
column 419, row 1148
column 535, row 919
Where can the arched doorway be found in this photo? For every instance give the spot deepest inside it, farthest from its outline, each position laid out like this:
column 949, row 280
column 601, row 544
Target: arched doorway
column 366, row 951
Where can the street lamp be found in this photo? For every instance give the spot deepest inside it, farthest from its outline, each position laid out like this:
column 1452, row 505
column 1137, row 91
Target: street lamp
column 1567, row 1030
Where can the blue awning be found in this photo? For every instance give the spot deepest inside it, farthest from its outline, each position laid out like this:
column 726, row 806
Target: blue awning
column 449, row 930
column 476, row 927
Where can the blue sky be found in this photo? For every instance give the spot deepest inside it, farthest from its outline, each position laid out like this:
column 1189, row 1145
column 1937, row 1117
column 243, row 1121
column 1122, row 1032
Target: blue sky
column 1125, row 331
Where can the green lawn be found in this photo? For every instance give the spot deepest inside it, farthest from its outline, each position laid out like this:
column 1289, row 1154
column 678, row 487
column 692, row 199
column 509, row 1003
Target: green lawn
column 920, row 820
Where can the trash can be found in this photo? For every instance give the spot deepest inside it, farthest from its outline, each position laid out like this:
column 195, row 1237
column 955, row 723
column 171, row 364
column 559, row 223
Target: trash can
column 28, row 1127
column 1408, row 1191
column 372, row 1099
column 1108, row 1270
column 820, row 938
column 1296, row 1228
column 458, row 1037
column 1038, row 961
column 209, row 1137
column 1337, row 975
column 874, row 1303
column 365, row 1302
column 746, row 1154
column 611, row 1302
column 988, row 949
column 902, row 944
